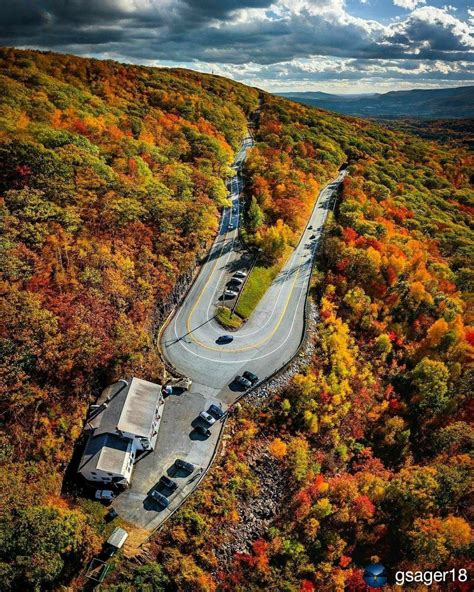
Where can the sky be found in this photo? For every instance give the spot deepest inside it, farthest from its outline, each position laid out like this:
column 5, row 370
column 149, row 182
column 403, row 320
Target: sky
column 342, row 46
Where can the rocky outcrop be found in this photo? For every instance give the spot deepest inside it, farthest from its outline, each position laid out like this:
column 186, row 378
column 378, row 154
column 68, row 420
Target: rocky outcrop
column 256, row 514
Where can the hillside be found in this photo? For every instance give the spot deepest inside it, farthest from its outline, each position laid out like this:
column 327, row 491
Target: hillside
column 444, row 103
column 111, row 182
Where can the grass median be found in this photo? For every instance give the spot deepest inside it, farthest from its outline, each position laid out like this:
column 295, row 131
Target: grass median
column 258, row 282
column 228, row 319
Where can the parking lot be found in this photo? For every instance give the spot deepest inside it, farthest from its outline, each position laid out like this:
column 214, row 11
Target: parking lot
column 135, row 504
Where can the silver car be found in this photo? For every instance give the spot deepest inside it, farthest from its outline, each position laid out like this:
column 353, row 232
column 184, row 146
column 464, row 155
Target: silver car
column 207, row 417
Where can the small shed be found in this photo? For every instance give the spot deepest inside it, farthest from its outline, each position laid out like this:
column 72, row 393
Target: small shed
column 117, row 538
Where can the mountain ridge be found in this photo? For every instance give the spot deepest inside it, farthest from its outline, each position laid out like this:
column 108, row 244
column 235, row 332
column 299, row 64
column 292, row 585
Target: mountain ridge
column 444, row 103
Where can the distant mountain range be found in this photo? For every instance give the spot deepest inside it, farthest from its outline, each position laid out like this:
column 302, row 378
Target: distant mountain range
column 443, row 103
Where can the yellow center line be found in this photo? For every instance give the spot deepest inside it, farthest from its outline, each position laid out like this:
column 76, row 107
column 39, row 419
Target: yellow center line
column 240, row 349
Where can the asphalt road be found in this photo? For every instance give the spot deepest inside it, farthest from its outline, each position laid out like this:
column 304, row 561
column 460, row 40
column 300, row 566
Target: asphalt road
column 268, row 340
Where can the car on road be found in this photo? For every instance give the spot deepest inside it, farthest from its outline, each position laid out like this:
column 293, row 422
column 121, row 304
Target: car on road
column 231, row 293
column 200, row 429
column 184, row 465
column 224, row 339
column 160, row 499
column 245, row 382
column 230, row 227
column 169, row 483
column 250, row 376
column 207, row 417
column 105, row 495
column 240, row 274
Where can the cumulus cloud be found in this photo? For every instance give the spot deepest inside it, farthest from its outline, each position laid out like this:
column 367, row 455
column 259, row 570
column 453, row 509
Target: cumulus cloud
column 408, row 4
column 274, row 37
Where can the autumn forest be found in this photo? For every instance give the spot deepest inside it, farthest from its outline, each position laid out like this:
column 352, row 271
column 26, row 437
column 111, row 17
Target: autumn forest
column 112, row 178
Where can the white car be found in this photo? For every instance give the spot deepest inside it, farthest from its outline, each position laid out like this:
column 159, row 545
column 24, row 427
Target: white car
column 104, row 495
column 207, row 417
column 240, row 274
column 231, row 293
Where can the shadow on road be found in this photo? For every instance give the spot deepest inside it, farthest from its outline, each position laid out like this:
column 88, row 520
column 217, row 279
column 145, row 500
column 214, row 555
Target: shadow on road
column 174, row 341
column 142, row 456
column 196, row 436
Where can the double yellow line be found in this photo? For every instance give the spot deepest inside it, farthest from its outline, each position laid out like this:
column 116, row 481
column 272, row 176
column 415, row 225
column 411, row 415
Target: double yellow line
column 240, row 349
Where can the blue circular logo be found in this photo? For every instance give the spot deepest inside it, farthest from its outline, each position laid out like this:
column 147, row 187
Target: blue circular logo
column 375, row 575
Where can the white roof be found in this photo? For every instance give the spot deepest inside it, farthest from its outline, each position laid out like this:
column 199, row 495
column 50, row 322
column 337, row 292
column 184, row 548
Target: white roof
column 118, row 537
column 138, row 411
column 114, row 455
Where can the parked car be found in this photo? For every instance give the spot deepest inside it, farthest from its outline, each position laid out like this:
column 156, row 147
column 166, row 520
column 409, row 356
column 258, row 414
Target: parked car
column 105, row 495
column 160, row 499
column 231, row 293
column 236, row 280
column 204, row 415
column 186, row 466
column 250, row 376
column 224, row 339
column 169, row 483
column 216, row 411
column 243, row 381
column 240, row 274
column 200, row 429
column 310, row 227
column 230, row 227
column 312, row 236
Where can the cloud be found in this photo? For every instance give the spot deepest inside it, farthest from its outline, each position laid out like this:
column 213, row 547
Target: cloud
column 278, row 35
column 408, row 4
column 432, row 32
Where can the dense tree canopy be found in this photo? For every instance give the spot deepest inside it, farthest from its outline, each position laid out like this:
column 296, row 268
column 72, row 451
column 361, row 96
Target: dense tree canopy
column 110, row 187
column 111, row 182
column 373, row 438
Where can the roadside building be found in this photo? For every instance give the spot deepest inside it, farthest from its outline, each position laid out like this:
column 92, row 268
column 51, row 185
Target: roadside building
column 124, row 422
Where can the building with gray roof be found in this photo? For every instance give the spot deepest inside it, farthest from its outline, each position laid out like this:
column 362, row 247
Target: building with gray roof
column 124, row 422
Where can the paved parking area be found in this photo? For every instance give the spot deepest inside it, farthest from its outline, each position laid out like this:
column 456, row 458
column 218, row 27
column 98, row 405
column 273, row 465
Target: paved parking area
column 135, row 505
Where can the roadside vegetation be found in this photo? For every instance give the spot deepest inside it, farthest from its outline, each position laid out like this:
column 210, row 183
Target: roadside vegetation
column 227, row 318
column 375, row 436
column 259, row 280
column 111, row 182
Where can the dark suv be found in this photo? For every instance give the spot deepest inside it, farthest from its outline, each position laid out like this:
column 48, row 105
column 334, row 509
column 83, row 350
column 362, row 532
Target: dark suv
column 200, row 429
column 169, row 483
column 186, row 466
column 216, row 411
column 253, row 378
column 161, row 499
